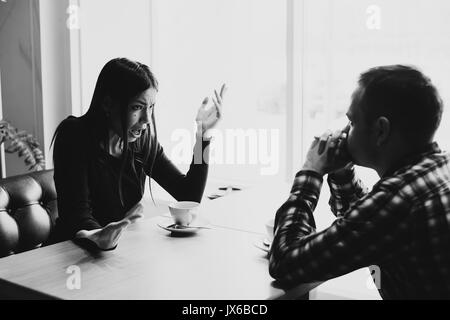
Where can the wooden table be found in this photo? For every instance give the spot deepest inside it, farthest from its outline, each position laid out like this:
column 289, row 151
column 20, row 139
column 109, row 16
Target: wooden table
column 150, row 263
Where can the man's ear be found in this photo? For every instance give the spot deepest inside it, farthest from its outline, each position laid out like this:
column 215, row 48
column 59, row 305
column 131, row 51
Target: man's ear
column 383, row 130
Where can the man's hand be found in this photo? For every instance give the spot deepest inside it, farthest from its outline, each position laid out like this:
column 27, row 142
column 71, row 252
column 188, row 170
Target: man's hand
column 338, row 156
column 328, row 152
column 108, row 236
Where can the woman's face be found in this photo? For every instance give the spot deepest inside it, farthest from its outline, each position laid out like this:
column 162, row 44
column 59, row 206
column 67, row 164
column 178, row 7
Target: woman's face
column 138, row 114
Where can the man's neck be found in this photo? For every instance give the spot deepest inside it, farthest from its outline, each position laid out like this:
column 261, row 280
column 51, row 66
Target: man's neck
column 398, row 157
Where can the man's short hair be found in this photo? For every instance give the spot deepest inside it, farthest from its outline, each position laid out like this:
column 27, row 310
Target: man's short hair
column 405, row 96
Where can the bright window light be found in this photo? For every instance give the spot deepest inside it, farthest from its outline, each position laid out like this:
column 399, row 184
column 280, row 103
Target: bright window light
column 196, row 46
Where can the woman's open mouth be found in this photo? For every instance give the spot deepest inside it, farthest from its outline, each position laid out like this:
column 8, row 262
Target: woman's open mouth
column 136, row 133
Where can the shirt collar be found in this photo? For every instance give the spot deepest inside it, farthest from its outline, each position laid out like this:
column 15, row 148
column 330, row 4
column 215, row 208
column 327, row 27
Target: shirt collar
column 414, row 158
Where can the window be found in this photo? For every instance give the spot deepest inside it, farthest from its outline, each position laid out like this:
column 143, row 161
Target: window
column 196, row 46
column 290, row 67
column 341, row 39
column 103, row 30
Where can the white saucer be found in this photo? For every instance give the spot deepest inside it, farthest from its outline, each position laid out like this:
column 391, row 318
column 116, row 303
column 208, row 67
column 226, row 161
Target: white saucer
column 196, row 225
column 176, row 229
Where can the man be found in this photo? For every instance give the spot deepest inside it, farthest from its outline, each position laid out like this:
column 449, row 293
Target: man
column 402, row 226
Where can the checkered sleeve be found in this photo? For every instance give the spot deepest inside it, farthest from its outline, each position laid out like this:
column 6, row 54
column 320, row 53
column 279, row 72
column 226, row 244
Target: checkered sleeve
column 373, row 228
column 345, row 189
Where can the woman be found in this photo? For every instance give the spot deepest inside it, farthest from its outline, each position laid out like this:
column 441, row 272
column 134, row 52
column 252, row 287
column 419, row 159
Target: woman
column 101, row 159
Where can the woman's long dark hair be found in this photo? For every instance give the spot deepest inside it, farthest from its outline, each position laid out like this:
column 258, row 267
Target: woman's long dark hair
column 121, row 79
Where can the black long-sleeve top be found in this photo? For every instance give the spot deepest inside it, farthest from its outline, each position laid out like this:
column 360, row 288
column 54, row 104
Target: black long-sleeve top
column 87, row 176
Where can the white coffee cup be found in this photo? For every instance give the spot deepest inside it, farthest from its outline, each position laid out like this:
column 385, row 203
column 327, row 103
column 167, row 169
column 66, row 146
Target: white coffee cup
column 183, row 212
column 269, row 229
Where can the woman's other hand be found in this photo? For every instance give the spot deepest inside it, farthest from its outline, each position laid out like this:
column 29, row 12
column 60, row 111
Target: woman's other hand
column 107, row 237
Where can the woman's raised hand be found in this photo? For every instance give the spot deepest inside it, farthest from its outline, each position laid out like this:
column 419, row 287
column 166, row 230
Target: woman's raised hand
column 207, row 117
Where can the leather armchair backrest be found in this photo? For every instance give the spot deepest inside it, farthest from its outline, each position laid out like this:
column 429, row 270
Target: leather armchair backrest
column 28, row 211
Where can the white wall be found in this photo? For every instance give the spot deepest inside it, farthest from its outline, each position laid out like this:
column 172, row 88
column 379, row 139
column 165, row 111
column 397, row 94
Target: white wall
column 56, row 68
column 20, row 65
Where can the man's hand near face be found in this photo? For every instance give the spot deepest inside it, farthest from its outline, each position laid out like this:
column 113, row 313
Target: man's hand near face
column 328, row 153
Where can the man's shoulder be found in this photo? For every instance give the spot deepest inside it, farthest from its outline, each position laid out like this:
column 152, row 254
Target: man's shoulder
column 420, row 178
column 431, row 164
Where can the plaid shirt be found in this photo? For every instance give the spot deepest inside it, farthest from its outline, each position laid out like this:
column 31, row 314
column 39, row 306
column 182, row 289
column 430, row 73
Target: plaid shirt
column 401, row 228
